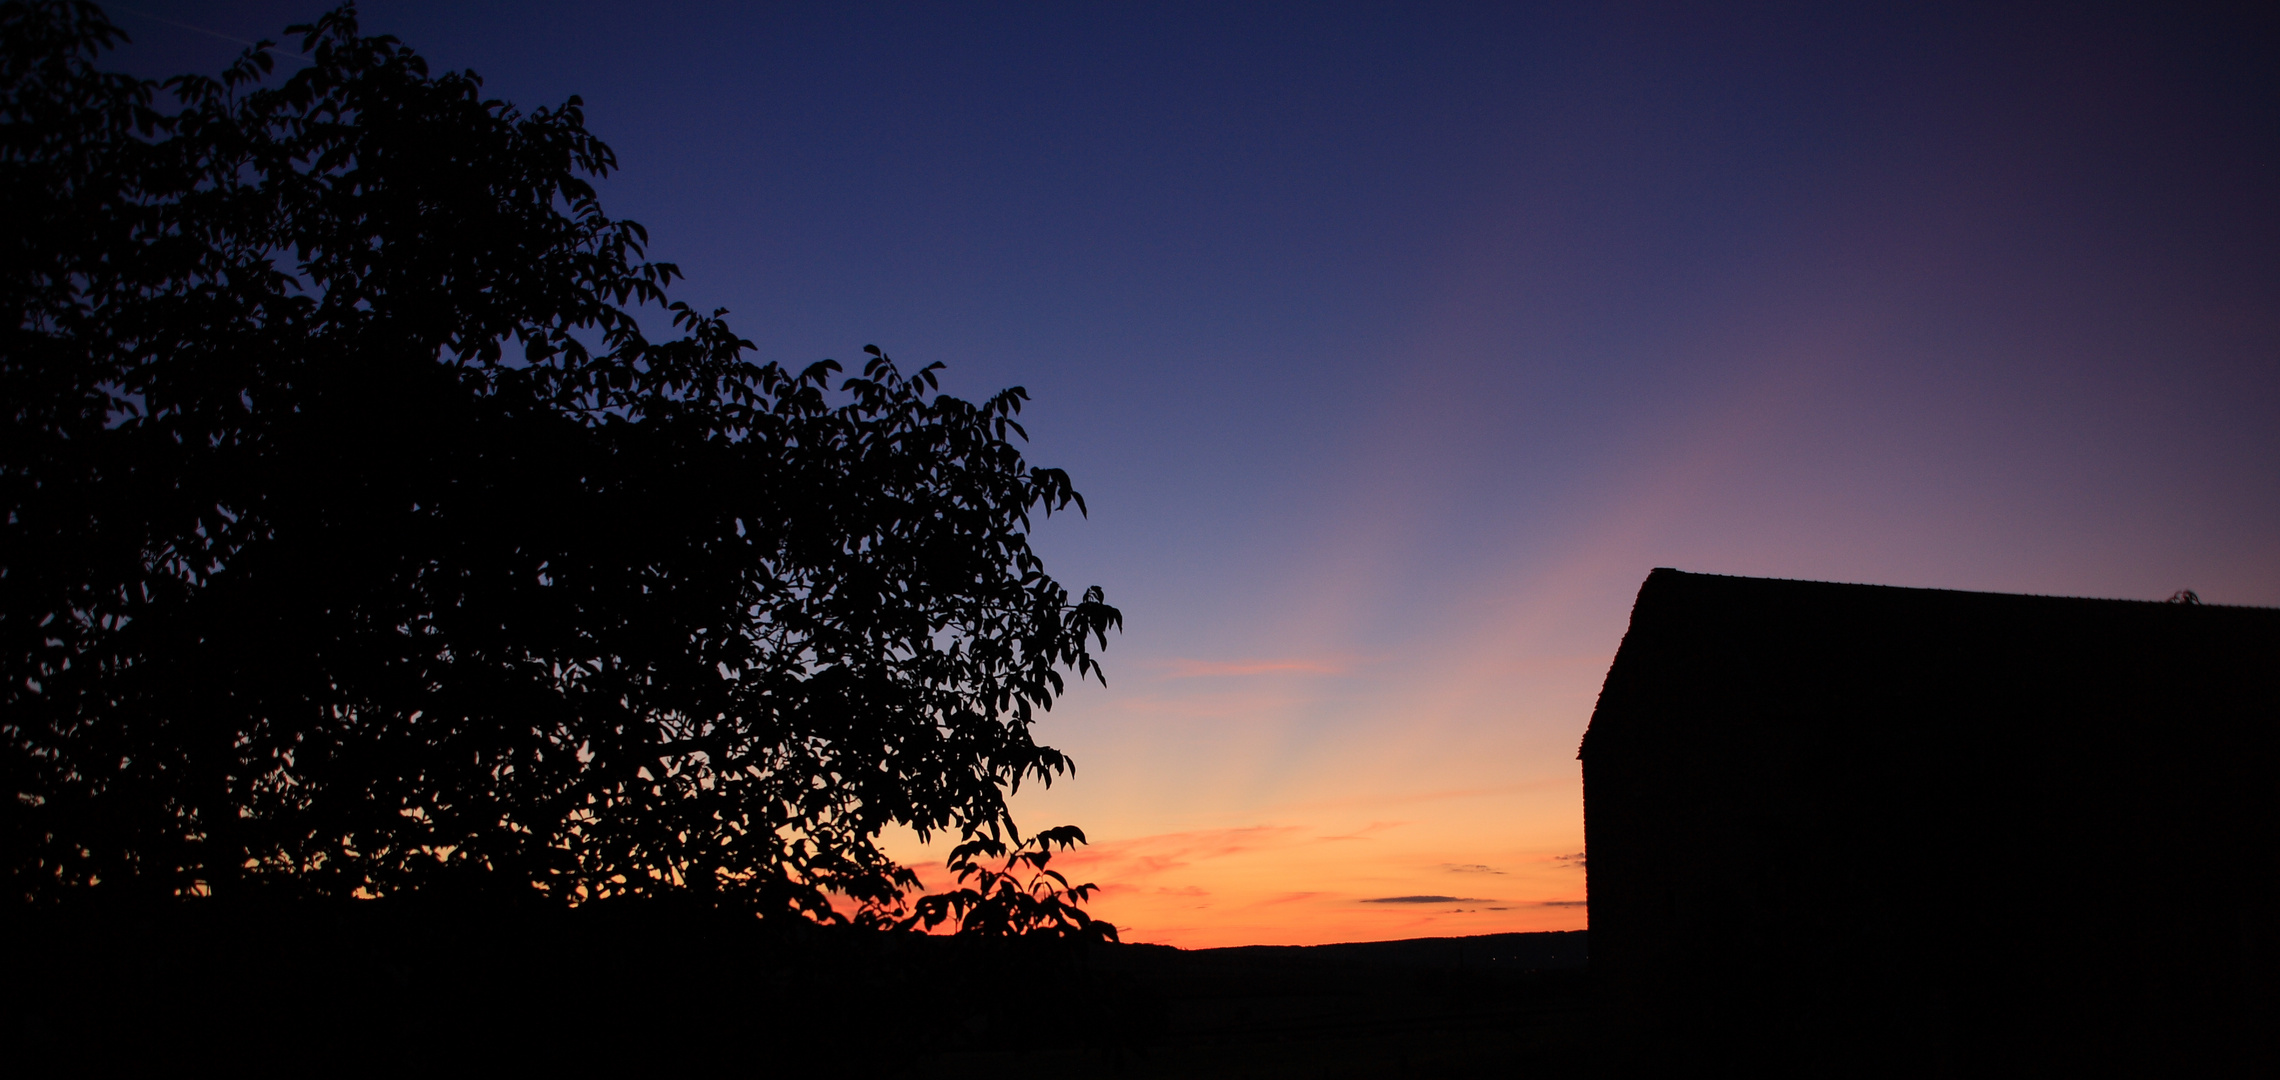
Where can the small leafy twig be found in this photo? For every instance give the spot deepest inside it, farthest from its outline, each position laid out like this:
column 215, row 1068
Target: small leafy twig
column 1020, row 897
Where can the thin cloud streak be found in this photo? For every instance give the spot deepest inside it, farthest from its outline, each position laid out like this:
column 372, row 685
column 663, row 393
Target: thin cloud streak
column 1202, row 669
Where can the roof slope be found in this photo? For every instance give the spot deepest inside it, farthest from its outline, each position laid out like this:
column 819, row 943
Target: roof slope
column 1844, row 652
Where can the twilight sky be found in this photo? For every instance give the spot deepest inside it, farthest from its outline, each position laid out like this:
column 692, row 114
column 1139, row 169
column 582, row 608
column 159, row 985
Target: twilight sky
column 1392, row 345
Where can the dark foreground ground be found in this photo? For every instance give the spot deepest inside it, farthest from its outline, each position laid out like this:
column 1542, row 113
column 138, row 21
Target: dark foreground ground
column 357, row 990
column 1504, row 1005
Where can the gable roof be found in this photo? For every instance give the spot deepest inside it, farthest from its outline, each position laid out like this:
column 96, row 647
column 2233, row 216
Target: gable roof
column 1708, row 644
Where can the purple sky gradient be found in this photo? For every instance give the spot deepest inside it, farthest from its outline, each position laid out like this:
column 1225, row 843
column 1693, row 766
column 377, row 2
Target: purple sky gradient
column 1392, row 345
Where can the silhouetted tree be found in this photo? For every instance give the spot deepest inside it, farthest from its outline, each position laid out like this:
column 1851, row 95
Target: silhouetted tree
column 1022, row 897
column 360, row 539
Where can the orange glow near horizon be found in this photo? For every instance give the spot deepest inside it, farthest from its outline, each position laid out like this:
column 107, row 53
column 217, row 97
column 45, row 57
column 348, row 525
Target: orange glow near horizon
column 1299, row 802
column 1210, row 888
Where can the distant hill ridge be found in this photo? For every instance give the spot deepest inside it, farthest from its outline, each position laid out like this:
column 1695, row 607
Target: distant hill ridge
column 1542, row 951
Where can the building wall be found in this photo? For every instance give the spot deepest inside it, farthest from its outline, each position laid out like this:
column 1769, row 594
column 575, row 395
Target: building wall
column 1863, row 830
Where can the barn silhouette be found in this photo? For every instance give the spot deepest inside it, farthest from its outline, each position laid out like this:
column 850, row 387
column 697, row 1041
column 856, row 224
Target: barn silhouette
column 1845, row 830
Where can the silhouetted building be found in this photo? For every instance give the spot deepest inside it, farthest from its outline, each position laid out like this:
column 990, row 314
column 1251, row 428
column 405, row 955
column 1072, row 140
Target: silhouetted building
column 1843, row 830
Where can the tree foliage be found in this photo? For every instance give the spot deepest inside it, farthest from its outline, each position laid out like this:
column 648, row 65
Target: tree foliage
column 361, row 538
column 1021, row 897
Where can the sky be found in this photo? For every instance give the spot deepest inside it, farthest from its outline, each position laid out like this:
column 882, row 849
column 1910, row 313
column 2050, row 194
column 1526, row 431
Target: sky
column 1393, row 344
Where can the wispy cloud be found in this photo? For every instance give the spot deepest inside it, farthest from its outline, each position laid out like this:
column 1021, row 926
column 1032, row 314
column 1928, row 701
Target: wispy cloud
column 1575, row 861
column 1198, row 669
column 1470, row 868
column 1288, row 898
column 1364, row 832
column 1435, row 795
column 1564, row 903
column 1424, row 900
column 1143, row 857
